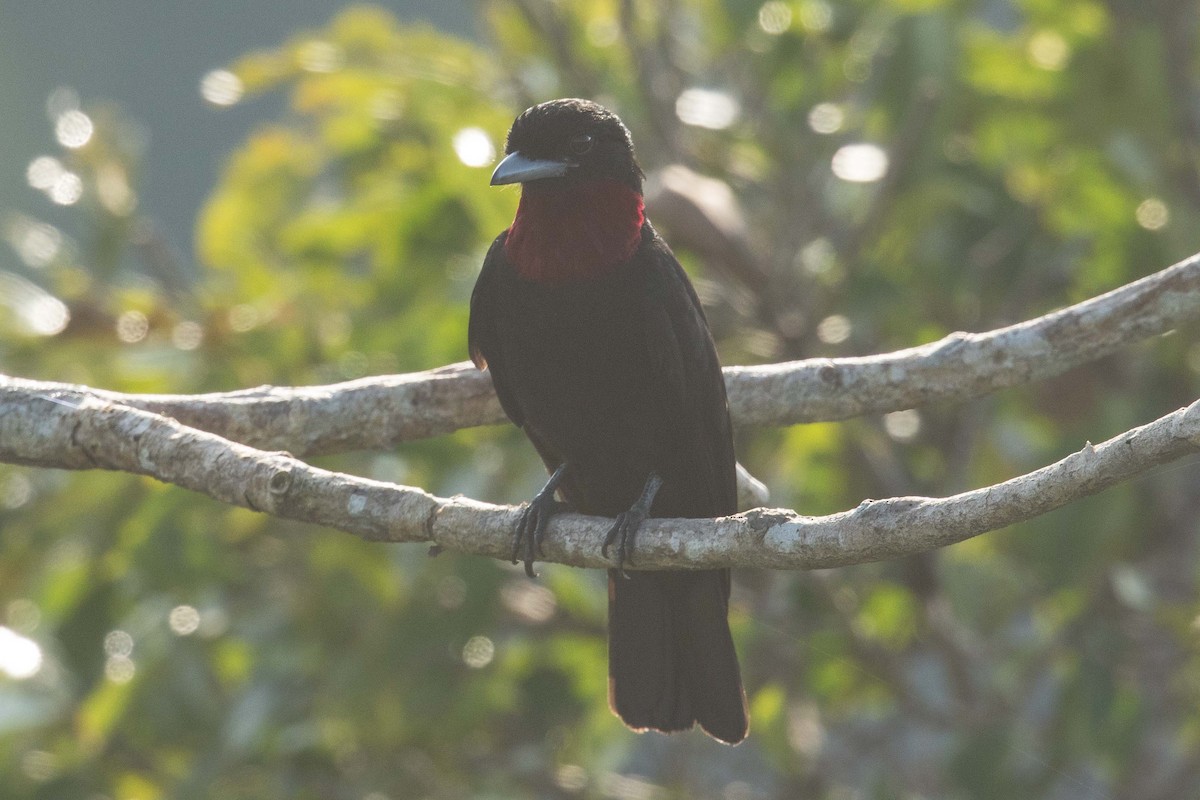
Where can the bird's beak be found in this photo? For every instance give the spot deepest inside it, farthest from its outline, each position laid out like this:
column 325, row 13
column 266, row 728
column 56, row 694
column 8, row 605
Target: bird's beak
column 516, row 168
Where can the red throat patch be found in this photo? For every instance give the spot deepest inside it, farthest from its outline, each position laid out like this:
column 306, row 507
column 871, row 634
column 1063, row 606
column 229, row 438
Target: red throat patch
column 577, row 232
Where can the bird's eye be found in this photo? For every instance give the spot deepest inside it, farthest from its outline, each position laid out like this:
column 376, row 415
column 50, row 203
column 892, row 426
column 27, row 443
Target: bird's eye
column 582, row 143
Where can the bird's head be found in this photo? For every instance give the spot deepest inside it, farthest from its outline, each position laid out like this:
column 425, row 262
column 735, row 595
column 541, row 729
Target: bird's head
column 566, row 141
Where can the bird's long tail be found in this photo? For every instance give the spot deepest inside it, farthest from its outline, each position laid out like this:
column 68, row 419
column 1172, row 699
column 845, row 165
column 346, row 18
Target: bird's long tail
column 671, row 661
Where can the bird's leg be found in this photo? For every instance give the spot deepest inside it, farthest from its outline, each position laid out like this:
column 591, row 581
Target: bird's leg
column 531, row 528
column 625, row 528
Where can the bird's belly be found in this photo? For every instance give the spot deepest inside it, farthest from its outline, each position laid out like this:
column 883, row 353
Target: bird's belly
column 584, row 379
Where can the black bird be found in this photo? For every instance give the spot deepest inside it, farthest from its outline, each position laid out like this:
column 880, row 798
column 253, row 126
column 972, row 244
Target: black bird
column 599, row 350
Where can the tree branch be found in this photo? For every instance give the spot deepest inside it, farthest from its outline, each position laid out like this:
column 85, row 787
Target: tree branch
column 84, row 432
column 379, row 412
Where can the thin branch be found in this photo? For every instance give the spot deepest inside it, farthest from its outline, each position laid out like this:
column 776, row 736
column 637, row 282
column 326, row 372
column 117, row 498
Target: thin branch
column 85, row 432
column 377, row 413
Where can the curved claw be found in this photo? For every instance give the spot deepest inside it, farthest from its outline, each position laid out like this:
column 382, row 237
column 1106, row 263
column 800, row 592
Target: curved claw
column 626, row 525
column 531, row 528
column 623, row 532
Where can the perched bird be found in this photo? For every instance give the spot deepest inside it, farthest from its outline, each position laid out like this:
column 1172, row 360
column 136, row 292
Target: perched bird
column 600, row 352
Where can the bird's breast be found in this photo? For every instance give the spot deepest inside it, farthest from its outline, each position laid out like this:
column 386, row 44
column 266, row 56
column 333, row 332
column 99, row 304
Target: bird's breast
column 574, row 232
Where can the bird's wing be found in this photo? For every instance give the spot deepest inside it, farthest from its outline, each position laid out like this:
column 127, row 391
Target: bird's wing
column 482, row 340
column 692, row 386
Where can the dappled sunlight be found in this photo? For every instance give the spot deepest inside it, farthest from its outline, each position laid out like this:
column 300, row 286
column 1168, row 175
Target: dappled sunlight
column 861, row 178
column 826, row 118
column 187, row 335
column 707, row 108
column 37, row 243
column 528, row 600
column 221, row 87
column 15, row 491
column 478, row 652
column 774, row 17
column 903, row 426
column 66, row 189
column 118, row 647
column 73, row 129
column 320, row 56
column 43, row 171
column 860, row 163
column 20, row 657
column 184, row 620
column 132, row 326
column 1152, row 214
column 834, row 329
column 36, row 311
column 474, row 147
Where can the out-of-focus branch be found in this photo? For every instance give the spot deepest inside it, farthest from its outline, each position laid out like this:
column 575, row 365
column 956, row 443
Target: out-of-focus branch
column 704, row 215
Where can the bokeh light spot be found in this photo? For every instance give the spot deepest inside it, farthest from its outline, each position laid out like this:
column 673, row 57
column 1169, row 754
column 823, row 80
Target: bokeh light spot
column 184, row 620
column 474, row 147
column 187, row 335
column 805, row 732
column 571, row 778
column 15, row 491
column 834, row 329
column 46, row 316
column 903, row 426
column 221, row 87
column 37, row 311
column 320, row 56
column 478, row 652
column 243, row 318
column 39, row 766
column 132, row 326
column 20, row 657
column 60, row 101
column 1049, row 50
column 67, row 189
column 775, row 17
column 707, row 108
column 23, row 615
column 1153, row 214
column 118, row 643
column 73, row 129
column 112, row 187
column 826, row 118
column 119, row 669
column 816, row 16
column 387, row 105
column 43, row 172
column 525, row 599
column 37, row 243
column 860, row 163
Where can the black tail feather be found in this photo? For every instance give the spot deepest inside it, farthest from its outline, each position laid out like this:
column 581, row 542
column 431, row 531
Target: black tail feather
column 671, row 661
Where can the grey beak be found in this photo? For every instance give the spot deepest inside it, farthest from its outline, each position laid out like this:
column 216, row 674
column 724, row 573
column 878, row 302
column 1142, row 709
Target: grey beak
column 516, row 168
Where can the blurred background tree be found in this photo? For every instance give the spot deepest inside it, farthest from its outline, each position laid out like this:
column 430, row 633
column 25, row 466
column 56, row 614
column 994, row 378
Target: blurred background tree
column 841, row 179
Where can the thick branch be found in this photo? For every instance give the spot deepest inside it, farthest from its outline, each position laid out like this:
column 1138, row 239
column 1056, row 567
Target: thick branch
column 377, row 413
column 88, row 433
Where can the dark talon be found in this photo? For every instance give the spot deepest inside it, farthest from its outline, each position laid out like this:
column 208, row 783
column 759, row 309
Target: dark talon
column 625, row 528
column 531, row 528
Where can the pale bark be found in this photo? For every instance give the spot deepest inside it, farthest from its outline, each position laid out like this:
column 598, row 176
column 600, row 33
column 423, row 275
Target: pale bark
column 86, row 433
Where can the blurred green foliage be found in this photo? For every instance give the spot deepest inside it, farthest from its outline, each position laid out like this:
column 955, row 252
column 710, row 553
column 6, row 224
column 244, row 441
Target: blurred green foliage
column 1037, row 153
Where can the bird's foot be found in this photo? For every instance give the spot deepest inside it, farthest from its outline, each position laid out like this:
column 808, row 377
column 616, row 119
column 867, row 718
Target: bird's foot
column 531, row 528
column 625, row 528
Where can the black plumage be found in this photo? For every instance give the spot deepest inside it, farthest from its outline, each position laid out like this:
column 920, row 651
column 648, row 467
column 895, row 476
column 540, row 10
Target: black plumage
column 599, row 350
